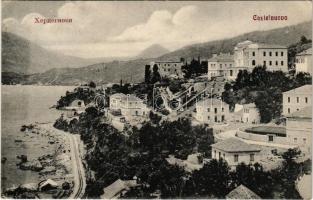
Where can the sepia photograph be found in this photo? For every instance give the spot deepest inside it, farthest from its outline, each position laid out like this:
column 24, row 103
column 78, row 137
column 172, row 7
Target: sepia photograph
column 156, row 99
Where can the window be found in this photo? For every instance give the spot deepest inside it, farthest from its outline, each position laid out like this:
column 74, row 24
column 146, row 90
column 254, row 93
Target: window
column 288, row 99
column 297, row 99
column 223, row 118
column 236, row 158
column 282, row 53
column 276, row 63
column 223, row 155
column 252, row 157
column 214, row 153
column 264, row 53
column 253, row 53
column 288, row 110
column 215, row 110
column 222, row 109
column 208, row 109
column 282, row 63
column 306, row 99
column 270, row 63
column 295, row 140
column 231, row 72
column 230, row 65
column 264, row 63
column 270, row 53
column 208, row 117
column 221, row 66
column 253, row 62
column 219, row 155
column 276, row 53
column 215, row 119
column 136, row 112
column 304, row 140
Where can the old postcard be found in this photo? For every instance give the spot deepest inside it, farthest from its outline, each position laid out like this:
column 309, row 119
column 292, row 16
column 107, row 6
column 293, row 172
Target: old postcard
column 156, row 99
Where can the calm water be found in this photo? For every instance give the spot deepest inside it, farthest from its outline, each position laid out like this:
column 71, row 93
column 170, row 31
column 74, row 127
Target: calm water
column 24, row 105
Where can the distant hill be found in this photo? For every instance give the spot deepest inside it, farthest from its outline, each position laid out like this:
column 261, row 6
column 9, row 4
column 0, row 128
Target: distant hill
column 282, row 36
column 133, row 70
column 22, row 56
column 153, row 51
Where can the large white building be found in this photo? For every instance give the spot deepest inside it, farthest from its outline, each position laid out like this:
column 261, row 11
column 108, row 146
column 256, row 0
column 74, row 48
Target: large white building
column 169, row 68
column 128, row 105
column 303, row 62
column 212, row 111
column 249, row 54
column 299, row 128
column 296, row 99
column 235, row 151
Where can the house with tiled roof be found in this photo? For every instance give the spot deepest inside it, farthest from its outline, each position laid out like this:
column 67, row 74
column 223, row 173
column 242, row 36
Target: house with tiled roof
column 251, row 54
column 296, row 99
column 303, row 61
column 299, row 128
column 118, row 189
column 242, row 192
column 246, row 113
column 235, row 151
column 220, row 65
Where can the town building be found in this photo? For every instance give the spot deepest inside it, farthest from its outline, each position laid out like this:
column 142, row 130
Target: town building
column 242, row 192
column 235, row 151
column 212, row 110
column 221, row 65
column 247, row 113
column 171, row 69
column 296, row 99
column 250, row 54
column 303, row 62
column 299, row 128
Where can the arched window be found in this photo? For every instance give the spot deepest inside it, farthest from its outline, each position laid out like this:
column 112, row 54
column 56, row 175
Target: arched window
column 253, row 62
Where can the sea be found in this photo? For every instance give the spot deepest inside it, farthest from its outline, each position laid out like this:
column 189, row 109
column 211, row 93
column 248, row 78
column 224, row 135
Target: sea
column 25, row 105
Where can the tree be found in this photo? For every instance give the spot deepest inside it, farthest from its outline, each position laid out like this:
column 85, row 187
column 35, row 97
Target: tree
column 213, row 178
column 147, row 74
column 92, row 84
column 155, row 74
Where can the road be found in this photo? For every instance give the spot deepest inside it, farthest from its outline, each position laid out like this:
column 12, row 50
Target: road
column 78, row 168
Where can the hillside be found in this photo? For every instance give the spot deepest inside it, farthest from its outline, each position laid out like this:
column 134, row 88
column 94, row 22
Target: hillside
column 128, row 71
column 282, row 36
column 133, row 70
column 153, row 51
column 22, row 56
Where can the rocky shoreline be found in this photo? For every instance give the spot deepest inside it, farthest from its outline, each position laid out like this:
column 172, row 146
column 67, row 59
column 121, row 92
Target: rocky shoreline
column 54, row 168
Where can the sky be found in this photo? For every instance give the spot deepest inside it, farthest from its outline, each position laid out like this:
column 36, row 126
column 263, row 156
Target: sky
column 124, row 29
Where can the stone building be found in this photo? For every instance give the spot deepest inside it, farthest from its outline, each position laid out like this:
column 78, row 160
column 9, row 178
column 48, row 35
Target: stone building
column 303, row 62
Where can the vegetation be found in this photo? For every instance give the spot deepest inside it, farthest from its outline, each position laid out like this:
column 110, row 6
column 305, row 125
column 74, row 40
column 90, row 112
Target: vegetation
column 195, row 68
column 79, row 93
column 264, row 88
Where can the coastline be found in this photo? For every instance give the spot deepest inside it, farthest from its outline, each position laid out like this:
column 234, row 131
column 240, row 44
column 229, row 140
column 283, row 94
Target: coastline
column 54, row 164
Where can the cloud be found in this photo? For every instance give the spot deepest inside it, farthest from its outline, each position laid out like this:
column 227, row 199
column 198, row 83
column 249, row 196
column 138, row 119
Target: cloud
column 124, row 28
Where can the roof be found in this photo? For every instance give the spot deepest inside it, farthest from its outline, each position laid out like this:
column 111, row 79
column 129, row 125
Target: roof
column 305, row 52
column 124, row 97
column 303, row 113
column 257, row 45
column 235, row 145
column 116, row 187
column 249, row 105
column 222, row 58
column 113, row 189
column 305, row 89
column 208, row 102
column 242, row 192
